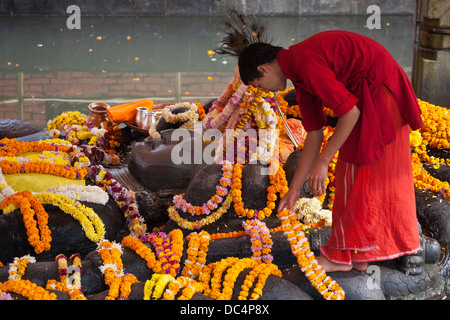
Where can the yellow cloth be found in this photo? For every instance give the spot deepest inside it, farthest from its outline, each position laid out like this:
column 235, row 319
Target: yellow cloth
column 38, row 182
column 127, row 112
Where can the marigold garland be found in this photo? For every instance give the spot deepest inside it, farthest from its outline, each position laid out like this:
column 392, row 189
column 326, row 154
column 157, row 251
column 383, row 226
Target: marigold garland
column 168, row 248
column 14, row 147
column 198, row 244
column 30, row 206
column 25, row 288
column 278, row 183
column 143, row 251
column 67, row 171
column 112, row 269
column 261, row 272
column 154, row 288
column 212, row 275
column 328, row 288
column 190, row 288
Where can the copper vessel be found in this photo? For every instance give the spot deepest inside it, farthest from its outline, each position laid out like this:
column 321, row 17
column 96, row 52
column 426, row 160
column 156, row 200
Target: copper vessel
column 99, row 114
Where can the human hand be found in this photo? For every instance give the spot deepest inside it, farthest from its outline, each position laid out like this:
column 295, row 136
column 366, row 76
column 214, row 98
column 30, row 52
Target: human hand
column 318, row 177
column 289, row 200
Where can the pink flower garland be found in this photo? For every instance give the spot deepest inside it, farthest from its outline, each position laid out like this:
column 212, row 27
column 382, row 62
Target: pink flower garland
column 161, row 242
column 260, row 238
column 221, row 191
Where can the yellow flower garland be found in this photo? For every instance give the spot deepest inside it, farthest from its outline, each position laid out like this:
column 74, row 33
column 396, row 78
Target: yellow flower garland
column 154, row 288
column 195, row 225
column 212, row 275
column 90, row 222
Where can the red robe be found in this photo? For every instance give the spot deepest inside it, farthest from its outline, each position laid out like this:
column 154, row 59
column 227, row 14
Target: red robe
column 374, row 214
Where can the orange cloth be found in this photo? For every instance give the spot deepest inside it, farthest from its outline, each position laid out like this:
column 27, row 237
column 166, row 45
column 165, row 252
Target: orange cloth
column 127, row 112
column 374, row 213
column 286, row 145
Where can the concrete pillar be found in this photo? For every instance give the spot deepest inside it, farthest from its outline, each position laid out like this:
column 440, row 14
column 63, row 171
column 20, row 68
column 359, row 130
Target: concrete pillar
column 431, row 69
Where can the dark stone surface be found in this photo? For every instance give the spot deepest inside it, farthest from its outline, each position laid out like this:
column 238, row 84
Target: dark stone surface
column 152, row 207
column 397, row 285
column 442, row 172
column 353, row 282
column 14, row 128
column 151, row 162
column 67, row 235
column 433, row 213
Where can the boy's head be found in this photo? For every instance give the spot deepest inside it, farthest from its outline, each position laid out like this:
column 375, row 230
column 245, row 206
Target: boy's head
column 258, row 66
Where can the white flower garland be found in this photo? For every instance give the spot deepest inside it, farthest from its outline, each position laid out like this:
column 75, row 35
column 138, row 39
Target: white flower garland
column 189, row 118
column 310, row 211
column 5, row 190
column 92, row 194
column 19, row 263
column 266, row 120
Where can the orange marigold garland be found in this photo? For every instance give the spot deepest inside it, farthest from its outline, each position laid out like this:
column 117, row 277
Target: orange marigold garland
column 328, row 288
column 278, row 183
column 143, row 251
column 198, row 244
column 39, row 234
column 25, row 288
column 14, row 147
column 112, row 269
column 190, row 288
column 261, row 272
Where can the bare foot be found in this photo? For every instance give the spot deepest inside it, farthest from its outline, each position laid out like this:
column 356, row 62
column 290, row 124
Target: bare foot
column 329, row 266
column 360, row 266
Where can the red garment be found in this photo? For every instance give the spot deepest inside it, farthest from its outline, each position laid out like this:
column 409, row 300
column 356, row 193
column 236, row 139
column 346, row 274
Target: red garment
column 342, row 69
column 374, row 213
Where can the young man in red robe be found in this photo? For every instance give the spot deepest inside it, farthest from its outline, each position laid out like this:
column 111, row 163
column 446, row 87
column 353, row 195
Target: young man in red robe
column 374, row 213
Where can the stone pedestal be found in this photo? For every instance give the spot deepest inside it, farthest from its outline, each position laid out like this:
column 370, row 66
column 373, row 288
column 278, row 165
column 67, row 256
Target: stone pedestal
column 431, row 68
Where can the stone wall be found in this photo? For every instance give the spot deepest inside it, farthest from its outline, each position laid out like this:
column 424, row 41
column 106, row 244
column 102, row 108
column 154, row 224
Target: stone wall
column 48, row 94
column 204, row 7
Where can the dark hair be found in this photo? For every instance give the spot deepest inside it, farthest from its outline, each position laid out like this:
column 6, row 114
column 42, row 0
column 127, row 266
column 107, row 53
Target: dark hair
column 253, row 56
